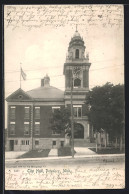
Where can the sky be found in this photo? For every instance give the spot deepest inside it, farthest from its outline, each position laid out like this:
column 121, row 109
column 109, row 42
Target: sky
column 42, row 51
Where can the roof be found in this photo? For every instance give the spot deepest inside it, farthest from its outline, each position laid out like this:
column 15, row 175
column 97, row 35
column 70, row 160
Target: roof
column 19, row 95
column 46, row 93
column 76, row 40
column 76, row 34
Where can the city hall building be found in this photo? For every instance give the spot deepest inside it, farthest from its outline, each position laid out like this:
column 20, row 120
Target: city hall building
column 30, row 113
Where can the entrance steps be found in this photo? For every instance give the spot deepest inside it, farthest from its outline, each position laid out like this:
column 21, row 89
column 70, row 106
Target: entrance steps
column 83, row 143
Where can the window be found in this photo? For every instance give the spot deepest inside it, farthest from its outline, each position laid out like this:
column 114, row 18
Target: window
column 55, row 108
column 77, row 83
column 12, row 112
column 36, row 142
column 37, row 112
column 12, row 128
column 23, row 142
column 16, row 142
column 37, row 128
column 27, row 112
column 77, row 110
column 26, row 128
column 27, row 142
column 20, row 97
column 54, row 142
column 77, row 54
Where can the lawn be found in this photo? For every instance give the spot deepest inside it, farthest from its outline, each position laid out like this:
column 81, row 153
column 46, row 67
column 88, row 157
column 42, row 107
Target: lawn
column 108, row 150
column 65, row 151
column 36, row 154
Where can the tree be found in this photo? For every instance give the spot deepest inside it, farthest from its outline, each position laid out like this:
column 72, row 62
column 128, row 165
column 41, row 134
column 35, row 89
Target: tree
column 61, row 120
column 117, row 111
column 107, row 108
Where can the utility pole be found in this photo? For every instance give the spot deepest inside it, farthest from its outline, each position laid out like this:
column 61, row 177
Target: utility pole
column 32, row 123
column 72, row 127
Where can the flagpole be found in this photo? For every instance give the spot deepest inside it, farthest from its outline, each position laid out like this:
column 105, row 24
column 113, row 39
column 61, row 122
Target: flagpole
column 20, row 75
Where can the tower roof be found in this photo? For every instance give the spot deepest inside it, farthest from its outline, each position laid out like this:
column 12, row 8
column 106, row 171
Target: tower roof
column 76, row 34
column 76, row 40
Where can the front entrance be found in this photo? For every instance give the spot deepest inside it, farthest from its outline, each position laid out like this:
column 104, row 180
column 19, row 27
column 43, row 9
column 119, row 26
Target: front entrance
column 54, row 144
column 62, row 143
column 11, row 145
column 78, row 131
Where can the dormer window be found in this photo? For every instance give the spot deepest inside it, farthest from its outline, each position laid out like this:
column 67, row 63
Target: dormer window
column 77, row 54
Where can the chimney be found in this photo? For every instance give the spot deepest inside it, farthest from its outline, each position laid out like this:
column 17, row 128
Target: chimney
column 42, row 82
column 46, row 81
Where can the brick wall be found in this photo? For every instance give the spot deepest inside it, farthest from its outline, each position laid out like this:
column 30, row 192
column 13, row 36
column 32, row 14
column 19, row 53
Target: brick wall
column 19, row 121
column 45, row 123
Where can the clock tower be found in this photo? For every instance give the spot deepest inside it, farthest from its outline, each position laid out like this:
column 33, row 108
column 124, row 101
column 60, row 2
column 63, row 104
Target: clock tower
column 76, row 72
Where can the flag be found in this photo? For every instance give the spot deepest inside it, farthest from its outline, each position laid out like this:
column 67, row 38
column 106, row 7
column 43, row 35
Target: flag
column 23, row 74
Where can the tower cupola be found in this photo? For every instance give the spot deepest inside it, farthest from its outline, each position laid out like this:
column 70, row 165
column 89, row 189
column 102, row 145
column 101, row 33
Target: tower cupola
column 76, row 49
column 45, row 82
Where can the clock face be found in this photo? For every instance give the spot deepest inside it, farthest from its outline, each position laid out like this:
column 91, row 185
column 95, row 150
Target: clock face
column 76, row 71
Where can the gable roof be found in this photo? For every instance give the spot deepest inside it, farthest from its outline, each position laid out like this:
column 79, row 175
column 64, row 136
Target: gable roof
column 19, row 95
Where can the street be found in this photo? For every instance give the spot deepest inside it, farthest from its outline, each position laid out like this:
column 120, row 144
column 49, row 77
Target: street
column 64, row 161
column 64, row 174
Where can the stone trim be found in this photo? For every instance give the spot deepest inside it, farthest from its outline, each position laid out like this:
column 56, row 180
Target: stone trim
column 83, row 118
column 77, row 90
column 36, row 103
column 49, row 100
column 76, row 97
column 50, row 138
column 19, row 138
column 74, row 102
column 20, row 103
column 49, row 103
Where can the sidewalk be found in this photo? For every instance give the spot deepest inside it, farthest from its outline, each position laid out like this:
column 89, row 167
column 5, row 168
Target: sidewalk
column 53, row 153
column 83, row 151
column 96, row 157
column 80, row 151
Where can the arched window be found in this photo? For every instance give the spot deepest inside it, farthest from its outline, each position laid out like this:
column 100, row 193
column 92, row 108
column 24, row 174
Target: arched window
column 77, row 83
column 77, row 54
